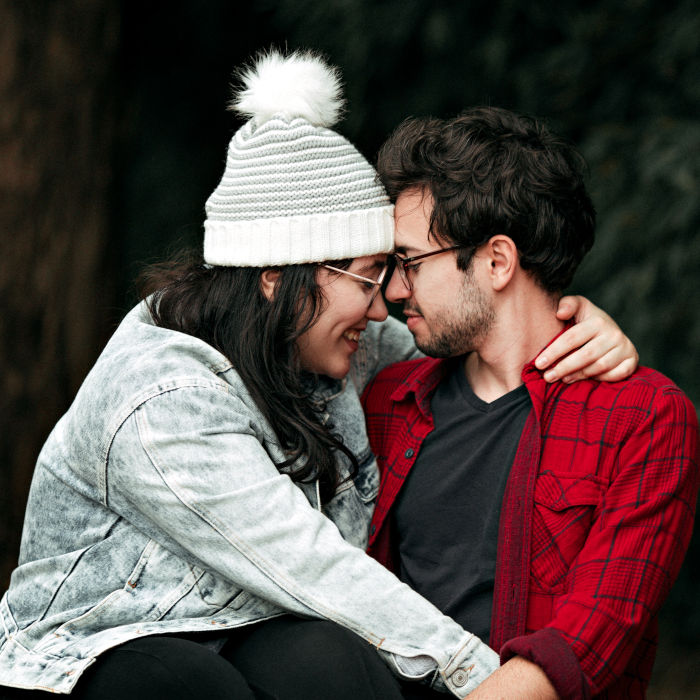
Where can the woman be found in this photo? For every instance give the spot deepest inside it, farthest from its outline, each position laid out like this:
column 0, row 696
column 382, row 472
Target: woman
column 210, row 488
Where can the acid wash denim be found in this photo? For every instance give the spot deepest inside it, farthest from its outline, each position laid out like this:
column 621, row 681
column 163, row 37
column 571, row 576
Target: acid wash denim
column 156, row 507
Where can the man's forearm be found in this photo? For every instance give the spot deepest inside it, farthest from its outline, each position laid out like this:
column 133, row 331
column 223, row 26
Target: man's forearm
column 517, row 678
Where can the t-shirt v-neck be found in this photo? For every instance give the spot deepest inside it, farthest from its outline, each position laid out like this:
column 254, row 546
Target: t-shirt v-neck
column 448, row 510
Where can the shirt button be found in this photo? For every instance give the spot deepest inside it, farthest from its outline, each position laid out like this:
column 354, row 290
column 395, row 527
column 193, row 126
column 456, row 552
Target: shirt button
column 408, row 453
column 460, row 677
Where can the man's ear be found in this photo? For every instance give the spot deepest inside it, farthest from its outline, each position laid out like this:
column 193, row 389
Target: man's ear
column 268, row 282
column 503, row 260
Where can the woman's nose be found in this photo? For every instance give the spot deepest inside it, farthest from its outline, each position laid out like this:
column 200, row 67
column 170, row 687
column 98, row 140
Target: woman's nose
column 377, row 310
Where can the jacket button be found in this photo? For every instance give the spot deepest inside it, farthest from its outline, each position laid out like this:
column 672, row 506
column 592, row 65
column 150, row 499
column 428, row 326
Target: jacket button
column 372, row 529
column 460, row 677
column 408, row 453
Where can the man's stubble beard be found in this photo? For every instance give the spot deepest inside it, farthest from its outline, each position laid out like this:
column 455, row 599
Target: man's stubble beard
column 469, row 319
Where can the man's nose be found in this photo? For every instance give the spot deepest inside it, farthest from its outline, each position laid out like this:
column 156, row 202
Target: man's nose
column 396, row 290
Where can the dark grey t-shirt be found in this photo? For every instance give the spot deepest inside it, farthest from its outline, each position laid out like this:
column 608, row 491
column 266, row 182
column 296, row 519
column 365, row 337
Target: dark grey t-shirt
column 447, row 513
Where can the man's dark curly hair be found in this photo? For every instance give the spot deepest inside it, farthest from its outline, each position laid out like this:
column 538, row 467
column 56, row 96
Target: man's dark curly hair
column 490, row 172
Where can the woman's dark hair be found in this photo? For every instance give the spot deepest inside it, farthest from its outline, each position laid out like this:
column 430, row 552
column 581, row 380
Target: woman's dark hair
column 491, row 171
column 226, row 308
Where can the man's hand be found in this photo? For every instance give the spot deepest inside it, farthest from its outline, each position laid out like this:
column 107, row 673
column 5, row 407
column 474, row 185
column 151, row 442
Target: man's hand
column 517, row 678
column 601, row 350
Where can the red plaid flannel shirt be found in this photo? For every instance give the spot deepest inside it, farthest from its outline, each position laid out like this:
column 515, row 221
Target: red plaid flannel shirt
column 596, row 517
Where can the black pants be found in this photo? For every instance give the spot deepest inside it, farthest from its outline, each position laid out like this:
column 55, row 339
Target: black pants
column 282, row 659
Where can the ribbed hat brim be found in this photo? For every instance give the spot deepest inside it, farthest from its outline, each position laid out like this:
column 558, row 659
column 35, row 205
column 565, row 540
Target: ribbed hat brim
column 299, row 239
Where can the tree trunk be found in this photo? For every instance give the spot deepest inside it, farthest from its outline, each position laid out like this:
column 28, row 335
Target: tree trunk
column 57, row 134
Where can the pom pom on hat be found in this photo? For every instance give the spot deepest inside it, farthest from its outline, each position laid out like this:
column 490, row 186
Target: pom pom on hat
column 299, row 85
column 294, row 191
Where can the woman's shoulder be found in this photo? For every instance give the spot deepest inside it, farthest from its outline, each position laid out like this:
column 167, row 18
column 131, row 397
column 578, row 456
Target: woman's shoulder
column 157, row 351
column 141, row 361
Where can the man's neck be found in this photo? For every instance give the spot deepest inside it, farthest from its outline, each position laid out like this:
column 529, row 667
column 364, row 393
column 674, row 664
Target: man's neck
column 520, row 332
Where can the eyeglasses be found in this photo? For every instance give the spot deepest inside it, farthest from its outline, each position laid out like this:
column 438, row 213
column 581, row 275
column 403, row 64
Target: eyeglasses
column 406, row 265
column 371, row 287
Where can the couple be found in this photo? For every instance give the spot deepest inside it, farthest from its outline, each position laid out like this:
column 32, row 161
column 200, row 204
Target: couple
column 197, row 520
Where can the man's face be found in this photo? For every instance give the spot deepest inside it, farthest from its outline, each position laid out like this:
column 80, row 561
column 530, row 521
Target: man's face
column 446, row 309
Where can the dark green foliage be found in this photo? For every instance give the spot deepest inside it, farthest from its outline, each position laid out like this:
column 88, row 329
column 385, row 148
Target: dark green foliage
column 644, row 266
column 621, row 78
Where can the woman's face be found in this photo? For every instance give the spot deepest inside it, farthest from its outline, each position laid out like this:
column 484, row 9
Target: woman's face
column 326, row 348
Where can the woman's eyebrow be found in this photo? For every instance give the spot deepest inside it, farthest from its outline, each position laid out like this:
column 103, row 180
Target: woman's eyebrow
column 371, row 266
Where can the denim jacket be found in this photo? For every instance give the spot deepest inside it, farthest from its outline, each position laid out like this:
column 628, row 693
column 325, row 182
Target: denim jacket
column 156, row 507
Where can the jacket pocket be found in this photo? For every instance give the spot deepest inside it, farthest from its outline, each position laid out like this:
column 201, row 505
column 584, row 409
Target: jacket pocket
column 564, row 510
column 352, row 506
column 218, row 592
column 365, row 482
column 367, row 478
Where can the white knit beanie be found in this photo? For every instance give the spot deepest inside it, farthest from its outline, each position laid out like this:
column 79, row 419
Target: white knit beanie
column 294, row 191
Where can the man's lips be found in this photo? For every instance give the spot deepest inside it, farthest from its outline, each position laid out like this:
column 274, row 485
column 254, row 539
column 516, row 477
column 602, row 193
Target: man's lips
column 412, row 319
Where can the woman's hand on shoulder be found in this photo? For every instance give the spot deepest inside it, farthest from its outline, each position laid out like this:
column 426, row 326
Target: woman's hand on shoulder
column 594, row 347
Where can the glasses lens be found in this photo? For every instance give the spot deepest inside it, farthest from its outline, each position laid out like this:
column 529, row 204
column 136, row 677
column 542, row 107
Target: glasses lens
column 380, row 283
column 403, row 274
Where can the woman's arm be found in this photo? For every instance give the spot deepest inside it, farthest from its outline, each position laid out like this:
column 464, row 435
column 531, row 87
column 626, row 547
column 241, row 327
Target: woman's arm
column 599, row 349
column 190, row 470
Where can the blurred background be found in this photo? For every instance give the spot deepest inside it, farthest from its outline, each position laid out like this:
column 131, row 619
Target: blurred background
column 113, row 132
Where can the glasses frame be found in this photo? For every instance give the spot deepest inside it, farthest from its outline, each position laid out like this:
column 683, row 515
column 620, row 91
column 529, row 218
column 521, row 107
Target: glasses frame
column 402, row 264
column 377, row 284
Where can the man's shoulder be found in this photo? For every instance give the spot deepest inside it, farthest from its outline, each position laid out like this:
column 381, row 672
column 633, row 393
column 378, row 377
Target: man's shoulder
column 643, row 381
column 645, row 392
column 649, row 377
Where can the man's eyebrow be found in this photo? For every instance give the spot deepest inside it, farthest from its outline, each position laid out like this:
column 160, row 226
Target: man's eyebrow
column 407, row 251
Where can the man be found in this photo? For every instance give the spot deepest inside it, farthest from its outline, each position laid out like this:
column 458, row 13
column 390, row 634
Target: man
column 551, row 519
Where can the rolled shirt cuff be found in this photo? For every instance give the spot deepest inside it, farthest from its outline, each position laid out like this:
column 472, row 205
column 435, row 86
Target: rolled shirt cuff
column 549, row 650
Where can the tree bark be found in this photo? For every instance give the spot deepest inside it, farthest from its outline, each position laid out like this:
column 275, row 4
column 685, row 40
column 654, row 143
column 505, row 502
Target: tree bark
column 57, row 135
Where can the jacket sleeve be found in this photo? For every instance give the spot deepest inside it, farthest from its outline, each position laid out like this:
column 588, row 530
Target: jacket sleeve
column 631, row 556
column 190, row 468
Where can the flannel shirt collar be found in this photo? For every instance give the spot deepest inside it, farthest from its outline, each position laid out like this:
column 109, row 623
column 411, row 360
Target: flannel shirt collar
column 422, row 380
column 425, row 375
column 533, row 378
